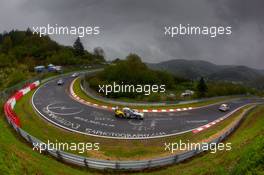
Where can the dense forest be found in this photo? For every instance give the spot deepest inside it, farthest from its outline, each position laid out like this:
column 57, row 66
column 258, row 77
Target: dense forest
column 21, row 51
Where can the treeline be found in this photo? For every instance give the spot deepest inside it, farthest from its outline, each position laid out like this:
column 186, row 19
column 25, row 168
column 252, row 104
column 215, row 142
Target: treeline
column 132, row 71
column 227, row 88
column 26, row 47
column 21, row 51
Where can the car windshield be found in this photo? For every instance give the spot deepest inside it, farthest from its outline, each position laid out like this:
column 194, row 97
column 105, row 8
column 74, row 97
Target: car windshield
column 128, row 110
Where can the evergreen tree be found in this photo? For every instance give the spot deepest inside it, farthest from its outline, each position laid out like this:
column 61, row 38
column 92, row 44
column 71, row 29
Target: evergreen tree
column 7, row 44
column 116, row 60
column 78, row 47
column 99, row 53
column 29, row 32
column 1, row 38
column 202, row 88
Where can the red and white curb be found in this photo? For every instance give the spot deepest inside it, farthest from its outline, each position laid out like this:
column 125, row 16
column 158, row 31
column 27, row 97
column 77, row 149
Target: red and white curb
column 207, row 125
column 11, row 102
column 166, row 110
column 216, row 121
column 80, row 100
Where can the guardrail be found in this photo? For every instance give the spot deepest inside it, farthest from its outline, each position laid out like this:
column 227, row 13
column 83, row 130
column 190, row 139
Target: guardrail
column 13, row 120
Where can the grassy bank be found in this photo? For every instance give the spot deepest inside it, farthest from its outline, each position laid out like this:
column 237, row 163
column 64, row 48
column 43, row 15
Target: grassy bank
column 109, row 149
column 17, row 157
column 246, row 157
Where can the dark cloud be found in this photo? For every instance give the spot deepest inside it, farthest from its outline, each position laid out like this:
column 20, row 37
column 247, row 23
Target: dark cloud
column 237, row 11
column 137, row 26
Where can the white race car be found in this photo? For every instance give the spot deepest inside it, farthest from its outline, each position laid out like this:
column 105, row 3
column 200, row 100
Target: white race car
column 224, row 107
column 60, row 82
column 75, row 75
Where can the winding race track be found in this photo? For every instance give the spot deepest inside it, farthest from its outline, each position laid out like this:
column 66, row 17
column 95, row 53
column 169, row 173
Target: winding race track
column 54, row 104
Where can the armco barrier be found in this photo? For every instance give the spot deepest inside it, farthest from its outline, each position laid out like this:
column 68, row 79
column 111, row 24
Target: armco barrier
column 103, row 164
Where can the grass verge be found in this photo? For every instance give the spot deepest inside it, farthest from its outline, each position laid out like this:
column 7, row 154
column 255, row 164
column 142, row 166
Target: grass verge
column 16, row 157
column 79, row 92
column 246, row 156
column 110, row 149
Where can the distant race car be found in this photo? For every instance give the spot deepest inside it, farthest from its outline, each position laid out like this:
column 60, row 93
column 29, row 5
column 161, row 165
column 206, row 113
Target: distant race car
column 224, row 107
column 75, row 75
column 60, row 82
column 128, row 113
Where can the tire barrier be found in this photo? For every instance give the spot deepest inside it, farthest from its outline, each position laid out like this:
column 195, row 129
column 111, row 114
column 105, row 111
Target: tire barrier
column 13, row 120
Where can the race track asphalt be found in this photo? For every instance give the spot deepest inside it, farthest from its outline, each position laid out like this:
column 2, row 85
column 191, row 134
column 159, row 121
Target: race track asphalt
column 54, row 104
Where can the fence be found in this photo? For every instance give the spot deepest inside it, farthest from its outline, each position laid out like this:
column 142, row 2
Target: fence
column 103, row 164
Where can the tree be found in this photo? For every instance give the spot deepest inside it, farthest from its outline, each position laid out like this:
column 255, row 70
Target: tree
column 202, row 88
column 1, row 38
column 29, row 32
column 116, row 60
column 98, row 51
column 78, row 47
column 5, row 60
column 134, row 61
column 62, row 57
column 7, row 44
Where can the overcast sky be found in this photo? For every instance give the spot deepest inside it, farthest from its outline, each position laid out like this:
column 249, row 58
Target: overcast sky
column 137, row 26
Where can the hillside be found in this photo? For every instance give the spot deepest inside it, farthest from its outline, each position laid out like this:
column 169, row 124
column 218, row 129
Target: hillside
column 187, row 68
column 193, row 69
column 238, row 74
column 131, row 71
column 21, row 51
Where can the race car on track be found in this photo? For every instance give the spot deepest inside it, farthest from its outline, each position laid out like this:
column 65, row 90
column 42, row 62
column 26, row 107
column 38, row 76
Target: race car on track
column 74, row 75
column 60, row 82
column 224, row 107
column 128, row 113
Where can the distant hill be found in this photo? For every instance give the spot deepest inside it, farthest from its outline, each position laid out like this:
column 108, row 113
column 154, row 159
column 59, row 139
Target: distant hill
column 194, row 69
column 236, row 73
